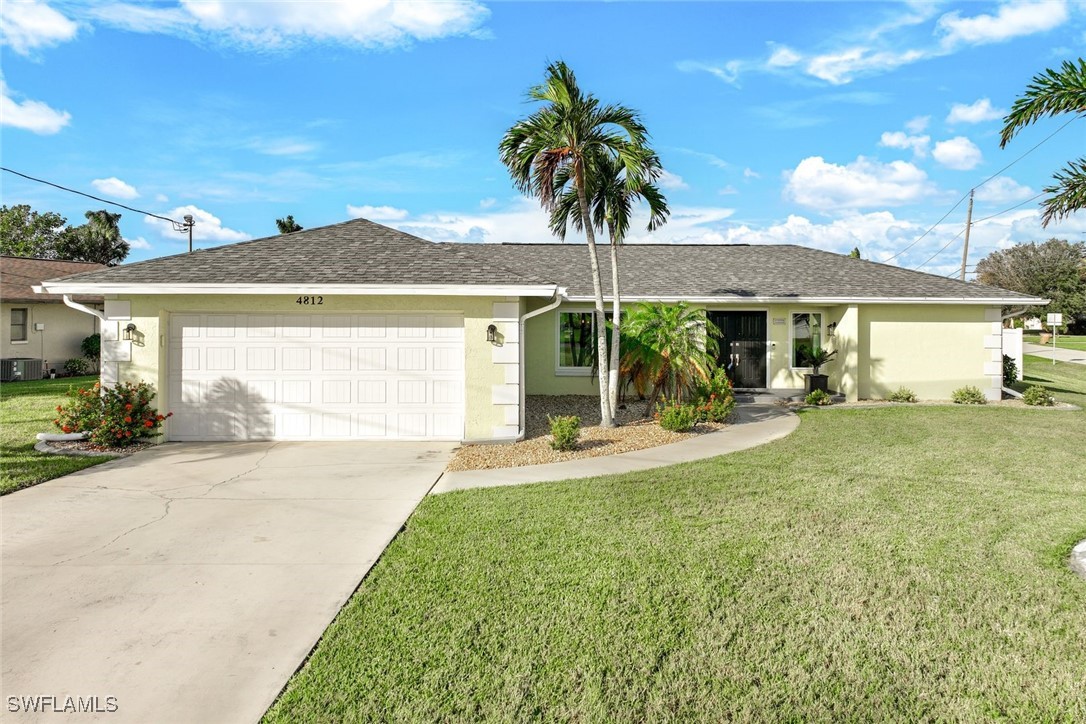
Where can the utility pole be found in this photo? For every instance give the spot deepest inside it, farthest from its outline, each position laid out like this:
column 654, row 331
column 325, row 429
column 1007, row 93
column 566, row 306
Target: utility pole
column 965, row 248
column 189, row 223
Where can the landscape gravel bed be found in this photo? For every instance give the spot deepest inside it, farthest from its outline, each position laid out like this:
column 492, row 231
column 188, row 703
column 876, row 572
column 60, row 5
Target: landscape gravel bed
column 634, row 432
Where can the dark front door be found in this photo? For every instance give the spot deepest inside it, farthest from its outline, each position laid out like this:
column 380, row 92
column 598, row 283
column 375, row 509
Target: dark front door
column 742, row 346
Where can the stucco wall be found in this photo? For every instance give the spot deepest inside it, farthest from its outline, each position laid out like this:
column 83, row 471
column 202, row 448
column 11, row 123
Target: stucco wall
column 65, row 330
column 492, row 380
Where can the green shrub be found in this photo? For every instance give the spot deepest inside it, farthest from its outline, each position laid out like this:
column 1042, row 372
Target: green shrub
column 1038, row 396
column 114, row 416
column 715, row 409
column 968, row 395
column 565, row 431
column 1010, row 370
column 717, row 384
column 818, row 397
column 77, row 366
column 902, row 394
column 677, row 417
column 91, row 347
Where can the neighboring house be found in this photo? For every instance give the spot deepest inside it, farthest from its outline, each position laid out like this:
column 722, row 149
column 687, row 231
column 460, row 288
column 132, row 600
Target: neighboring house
column 40, row 326
column 360, row 331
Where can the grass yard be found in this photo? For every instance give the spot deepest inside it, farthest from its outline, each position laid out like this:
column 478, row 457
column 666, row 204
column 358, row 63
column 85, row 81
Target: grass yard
column 1065, row 380
column 1067, row 341
column 27, row 408
column 878, row 564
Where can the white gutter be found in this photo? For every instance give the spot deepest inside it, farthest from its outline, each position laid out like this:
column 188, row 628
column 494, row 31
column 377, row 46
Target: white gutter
column 316, row 289
column 85, row 309
column 976, row 301
column 559, row 297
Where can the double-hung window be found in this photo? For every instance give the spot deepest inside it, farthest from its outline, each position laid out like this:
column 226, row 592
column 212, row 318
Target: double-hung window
column 19, row 319
column 806, row 336
column 577, row 341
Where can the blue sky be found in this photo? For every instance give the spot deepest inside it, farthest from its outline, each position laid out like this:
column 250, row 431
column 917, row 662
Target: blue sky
column 826, row 124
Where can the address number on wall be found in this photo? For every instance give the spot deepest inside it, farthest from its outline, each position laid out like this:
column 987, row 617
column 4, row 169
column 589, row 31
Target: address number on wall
column 309, row 301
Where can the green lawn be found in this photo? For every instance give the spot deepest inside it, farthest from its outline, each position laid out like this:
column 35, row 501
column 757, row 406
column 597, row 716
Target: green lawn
column 903, row 563
column 1065, row 380
column 27, row 408
column 1069, row 341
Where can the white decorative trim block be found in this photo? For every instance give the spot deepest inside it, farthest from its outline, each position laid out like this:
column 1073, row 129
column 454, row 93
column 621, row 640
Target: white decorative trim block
column 993, row 314
column 118, row 309
column 505, row 432
column 505, row 394
column 993, row 341
column 505, row 354
column 506, row 311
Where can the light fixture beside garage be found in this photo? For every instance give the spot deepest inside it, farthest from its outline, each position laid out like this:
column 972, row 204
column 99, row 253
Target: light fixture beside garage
column 130, row 332
column 492, row 333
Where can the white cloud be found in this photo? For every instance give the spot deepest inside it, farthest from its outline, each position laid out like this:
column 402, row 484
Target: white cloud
column 846, row 65
column 727, row 72
column 270, row 25
column 899, row 139
column 671, row 181
column 207, row 226
column 138, row 243
column 917, row 125
column 282, row 146
column 29, row 115
column 161, row 198
column 26, row 26
column 487, row 202
column 728, row 190
column 751, row 173
column 1003, row 189
column 783, row 57
column 976, row 112
column 879, row 233
column 376, row 213
column 1010, row 21
column 116, row 188
column 864, row 183
column 958, row 153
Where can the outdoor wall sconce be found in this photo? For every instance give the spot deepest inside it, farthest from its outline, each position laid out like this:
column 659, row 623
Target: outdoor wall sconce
column 130, row 332
column 831, row 328
column 492, row 333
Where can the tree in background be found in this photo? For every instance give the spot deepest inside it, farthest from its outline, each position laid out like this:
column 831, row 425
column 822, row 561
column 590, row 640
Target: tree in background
column 1054, row 270
column 288, row 225
column 855, row 253
column 1052, row 93
column 568, row 133
column 99, row 240
column 27, row 233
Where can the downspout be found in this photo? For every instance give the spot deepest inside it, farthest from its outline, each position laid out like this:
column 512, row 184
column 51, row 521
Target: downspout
column 83, row 308
column 559, row 297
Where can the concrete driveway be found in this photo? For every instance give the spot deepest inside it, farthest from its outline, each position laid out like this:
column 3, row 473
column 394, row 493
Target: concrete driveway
column 190, row 581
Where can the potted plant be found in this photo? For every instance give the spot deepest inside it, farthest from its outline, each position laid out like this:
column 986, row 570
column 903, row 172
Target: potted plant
column 814, row 359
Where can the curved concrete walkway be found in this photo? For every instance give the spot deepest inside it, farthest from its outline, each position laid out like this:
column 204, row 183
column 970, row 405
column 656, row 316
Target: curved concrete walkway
column 756, row 425
column 1061, row 354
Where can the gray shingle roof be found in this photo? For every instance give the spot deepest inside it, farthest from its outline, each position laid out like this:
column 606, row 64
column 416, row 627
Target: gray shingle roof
column 365, row 253
column 353, row 252
column 715, row 270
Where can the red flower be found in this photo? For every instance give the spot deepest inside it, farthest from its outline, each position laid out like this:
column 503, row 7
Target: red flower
column 59, row 408
column 149, row 423
column 128, row 406
column 66, row 429
column 128, row 433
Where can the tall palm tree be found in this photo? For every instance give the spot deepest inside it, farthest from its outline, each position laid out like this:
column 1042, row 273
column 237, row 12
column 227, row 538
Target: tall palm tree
column 677, row 344
column 287, row 225
column 613, row 198
column 1048, row 94
column 570, row 130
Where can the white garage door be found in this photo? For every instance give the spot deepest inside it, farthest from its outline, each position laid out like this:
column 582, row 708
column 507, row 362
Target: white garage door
column 316, row 377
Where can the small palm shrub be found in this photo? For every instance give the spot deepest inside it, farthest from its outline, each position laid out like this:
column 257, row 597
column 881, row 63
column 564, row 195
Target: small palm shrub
column 902, row 394
column 677, row 417
column 1038, row 396
column 114, row 416
column 818, row 397
column 77, row 366
column 968, row 395
column 1010, row 370
column 565, row 432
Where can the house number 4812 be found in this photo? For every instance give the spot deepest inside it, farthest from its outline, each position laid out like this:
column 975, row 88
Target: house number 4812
column 309, row 300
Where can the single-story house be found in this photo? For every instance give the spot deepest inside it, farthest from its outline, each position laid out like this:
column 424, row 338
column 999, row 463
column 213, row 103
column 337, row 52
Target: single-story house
column 356, row 330
column 41, row 326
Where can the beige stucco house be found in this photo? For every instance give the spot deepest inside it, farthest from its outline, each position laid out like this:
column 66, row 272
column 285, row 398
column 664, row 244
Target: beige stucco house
column 360, row 331
column 41, row 326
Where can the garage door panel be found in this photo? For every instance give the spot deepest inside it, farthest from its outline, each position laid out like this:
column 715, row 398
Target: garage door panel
column 368, row 376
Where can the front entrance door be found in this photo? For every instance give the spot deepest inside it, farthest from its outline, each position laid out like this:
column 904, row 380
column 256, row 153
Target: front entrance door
column 742, row 347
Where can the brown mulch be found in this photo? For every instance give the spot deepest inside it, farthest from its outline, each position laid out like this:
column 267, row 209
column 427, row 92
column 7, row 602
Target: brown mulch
column 87, row 447
column 634, row 432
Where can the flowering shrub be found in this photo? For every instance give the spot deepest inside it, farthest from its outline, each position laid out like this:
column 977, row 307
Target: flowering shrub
column 677, row 417
column 114, row 416
column 715, row 409
column 818, row 397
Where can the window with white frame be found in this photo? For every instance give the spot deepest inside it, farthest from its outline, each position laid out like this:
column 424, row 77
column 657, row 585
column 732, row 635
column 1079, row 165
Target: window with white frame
column 577, row 340
column 18, row 324
column 806, row 336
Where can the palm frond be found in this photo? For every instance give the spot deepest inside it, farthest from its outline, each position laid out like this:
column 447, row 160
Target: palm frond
column 1049, row 93
column 1067, row 195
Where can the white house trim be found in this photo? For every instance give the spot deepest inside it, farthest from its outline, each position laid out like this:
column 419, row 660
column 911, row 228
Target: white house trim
column 985, row 301
column 455, row 290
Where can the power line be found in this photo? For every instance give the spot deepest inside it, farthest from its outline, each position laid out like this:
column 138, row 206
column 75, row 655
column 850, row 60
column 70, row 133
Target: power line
column 1011, row 208
column 96, row 198
column 910, row 246
column 945, row 246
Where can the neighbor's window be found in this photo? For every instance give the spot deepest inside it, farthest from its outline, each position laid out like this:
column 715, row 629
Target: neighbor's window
column 576, row 340
column 18, row 325
column 806, row 336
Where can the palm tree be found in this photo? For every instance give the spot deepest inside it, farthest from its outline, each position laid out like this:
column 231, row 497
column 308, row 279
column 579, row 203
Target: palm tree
column 567, row 133
column 99, row 240
column 287, row 225
column 676, row 345
column 1048, row 94
column 613, row 199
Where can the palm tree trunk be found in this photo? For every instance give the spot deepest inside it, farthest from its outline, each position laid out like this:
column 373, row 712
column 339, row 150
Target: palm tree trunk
column 606, row 415
column 616, row 325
